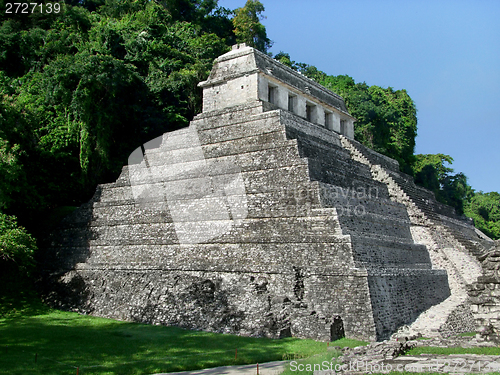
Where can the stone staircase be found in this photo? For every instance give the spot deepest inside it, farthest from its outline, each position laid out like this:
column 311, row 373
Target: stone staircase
column 428, row 228
column 399, row 270
column 426, row 202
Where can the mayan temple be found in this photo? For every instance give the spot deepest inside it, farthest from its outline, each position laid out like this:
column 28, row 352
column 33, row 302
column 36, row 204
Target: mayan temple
column 265, row 217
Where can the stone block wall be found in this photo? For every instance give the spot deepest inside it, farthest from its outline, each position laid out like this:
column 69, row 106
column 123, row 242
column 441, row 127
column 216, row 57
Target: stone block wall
column 485, row 292
column 399, row 296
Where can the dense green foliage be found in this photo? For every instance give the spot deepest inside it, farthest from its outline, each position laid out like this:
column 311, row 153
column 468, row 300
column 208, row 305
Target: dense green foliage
column 386, row 118
column 484, row 208
column 452, row 189
column 82, row 88
column 247, row 26
column 431, row 171
column 17, row 248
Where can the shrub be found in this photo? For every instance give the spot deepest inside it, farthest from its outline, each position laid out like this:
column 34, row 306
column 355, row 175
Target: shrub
column 17, row 248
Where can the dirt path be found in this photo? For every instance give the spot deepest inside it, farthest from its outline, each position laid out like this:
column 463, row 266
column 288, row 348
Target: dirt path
column 269, row 368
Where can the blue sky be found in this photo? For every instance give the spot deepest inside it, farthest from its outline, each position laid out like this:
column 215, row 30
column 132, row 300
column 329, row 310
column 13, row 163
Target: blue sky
column 446, row 54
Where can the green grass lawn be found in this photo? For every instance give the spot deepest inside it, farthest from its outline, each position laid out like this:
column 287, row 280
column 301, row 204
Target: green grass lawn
column 35, row 339
column 39, row 340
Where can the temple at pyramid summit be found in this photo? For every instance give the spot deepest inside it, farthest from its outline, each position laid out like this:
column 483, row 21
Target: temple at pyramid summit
column 265, row 217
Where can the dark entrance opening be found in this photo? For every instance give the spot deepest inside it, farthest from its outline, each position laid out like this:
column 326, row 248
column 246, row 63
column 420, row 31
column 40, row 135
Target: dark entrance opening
column 337, row 328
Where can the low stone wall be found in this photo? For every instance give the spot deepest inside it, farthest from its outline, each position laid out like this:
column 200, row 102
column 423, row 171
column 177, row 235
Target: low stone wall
column 389, row 357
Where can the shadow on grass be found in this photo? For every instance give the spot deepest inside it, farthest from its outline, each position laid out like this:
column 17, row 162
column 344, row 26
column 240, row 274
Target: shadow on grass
column 61, row 341
column 18, row 298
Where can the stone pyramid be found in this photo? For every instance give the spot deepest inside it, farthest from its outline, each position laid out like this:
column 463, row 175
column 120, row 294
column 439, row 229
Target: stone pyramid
column 265, row 218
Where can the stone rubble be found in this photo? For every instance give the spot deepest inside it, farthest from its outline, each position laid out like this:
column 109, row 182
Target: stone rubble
column 389, row 355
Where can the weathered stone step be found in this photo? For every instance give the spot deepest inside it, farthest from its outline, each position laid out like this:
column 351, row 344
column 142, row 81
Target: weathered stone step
column 338, row 164
column 323, row 169
column 426, row 199
column 168, row 164
column 297, row 127
column 230, row 147
column 253, row 143
column 266, row 230
column 233, row 115
column 331, row 144
column 375, row 158
column 464, row 240
column 263, row 143
column 429, row 322
column 473, row 248
column 449, row 211
column 318, row 146
column 278, row 203
column 407, row 273
column 215, row 257
column 358, row 214
column 361, row 201
column 300, row 198
column 345, row 179
column 389, row 253
column 380, row 237
column 374, row 225
column 367, row 206
column 283, row 176
column 330, row 162
column 261, row 124
column 459, row 227
column 266, row 123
